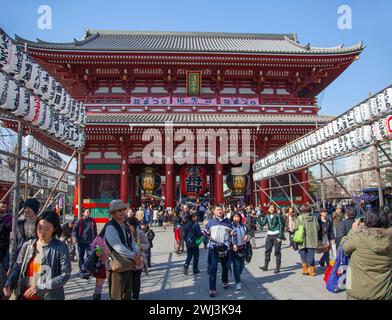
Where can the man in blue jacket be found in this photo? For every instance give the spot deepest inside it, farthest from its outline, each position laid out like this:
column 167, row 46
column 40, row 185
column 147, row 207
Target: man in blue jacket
column 218, row 230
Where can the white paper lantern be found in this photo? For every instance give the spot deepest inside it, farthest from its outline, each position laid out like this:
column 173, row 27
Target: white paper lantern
column 24, row 103
column 367, row 134
column 39, row 118
column 34, row 82
column 365, row 111
column 388, row 98
column 374, row 111
column 350, row 119
column 16, row 59
column 35, row 105
column 48, row 120
column 358, row 115
column 381, row 104
column 5, row 50
column 10, row 97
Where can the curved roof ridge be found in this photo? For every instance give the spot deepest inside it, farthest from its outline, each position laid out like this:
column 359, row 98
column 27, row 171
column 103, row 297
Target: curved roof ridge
column 280, row 36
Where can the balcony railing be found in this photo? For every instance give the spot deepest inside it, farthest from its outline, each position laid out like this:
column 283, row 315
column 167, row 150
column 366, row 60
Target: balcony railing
column 267, row 105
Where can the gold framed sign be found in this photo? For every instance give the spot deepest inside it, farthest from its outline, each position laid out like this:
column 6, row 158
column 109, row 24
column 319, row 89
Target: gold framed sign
column 193, row 82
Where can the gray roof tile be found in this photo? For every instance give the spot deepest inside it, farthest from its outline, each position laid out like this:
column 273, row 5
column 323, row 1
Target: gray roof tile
column 102, row 40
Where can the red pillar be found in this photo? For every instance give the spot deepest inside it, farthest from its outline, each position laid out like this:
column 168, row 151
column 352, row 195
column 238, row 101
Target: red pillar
column 264, row 200
column 124, row 176
column 169, row 186
column 305, row 177
column 132, row 190
column 218, row 183
column 252, row 189
column 76, row 193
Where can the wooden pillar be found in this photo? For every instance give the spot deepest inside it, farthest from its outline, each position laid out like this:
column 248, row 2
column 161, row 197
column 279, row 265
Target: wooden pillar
column 124, row 175
column 305, row 177
column 169, row 186
column 252, row 189
column 264, row 184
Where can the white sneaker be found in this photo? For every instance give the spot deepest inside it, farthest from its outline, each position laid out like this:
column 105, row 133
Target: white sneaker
column 238, row 287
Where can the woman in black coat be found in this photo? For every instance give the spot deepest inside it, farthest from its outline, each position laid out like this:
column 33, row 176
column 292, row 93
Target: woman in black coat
column 325, row 237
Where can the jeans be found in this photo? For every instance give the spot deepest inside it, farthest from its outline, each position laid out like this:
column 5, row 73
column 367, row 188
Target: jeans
column 148, row 257
column 324, row 259
column 238, row 264
column 213, row 268
column 272, row 242
column 307, row 256
column 192, row 252
column 82, row 249
column 136, row 283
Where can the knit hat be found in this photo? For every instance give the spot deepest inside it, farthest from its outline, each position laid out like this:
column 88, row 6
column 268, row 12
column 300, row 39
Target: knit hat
column 32, row 203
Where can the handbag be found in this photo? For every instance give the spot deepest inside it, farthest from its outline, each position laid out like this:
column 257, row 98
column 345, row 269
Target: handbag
column 117, row 262
column 299, row 234
column 249, row 252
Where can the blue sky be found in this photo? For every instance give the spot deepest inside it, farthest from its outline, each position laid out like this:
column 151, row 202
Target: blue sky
column 314, row 21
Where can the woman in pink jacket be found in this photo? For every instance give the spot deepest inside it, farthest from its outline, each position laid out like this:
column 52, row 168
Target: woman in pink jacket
column 100, row 250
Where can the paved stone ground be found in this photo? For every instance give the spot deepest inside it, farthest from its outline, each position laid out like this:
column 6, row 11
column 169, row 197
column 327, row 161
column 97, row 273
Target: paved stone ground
column 166, row 280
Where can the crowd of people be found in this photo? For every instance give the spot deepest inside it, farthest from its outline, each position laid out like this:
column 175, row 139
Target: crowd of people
column 40, row 265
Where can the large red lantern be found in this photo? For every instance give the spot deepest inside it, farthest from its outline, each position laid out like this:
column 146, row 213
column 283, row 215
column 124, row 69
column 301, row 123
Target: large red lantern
column 193, row 181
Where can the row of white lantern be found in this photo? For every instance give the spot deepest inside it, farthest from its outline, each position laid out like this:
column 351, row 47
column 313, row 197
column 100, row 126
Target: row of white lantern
column 18, row 100
column 356, row 139
column 15, row 62
column 39, row 180
column 373, row 108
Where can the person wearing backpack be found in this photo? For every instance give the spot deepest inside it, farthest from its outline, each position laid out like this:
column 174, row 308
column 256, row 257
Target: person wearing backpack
column 238, row 249
column 218, row 231
column 192, row 232
column 307, row 221
column 83, row 234
column 274, row 238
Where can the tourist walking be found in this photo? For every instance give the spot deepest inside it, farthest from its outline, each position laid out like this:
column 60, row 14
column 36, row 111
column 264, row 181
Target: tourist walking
column 43, row 266
column 251, row 225
column 291, row 217
column 307, row 248
column 150, row 234
column 325, row 237
column 26, row 228
column 83, row 234
column 5, row 231
column 275, row 236
column 121, row 250
column 178, row 227
column 140, row 215
column 192, row 233
column 218, row 231
column 238, row 248
column 344, row 226
column 143, row 245
column 99, row 249
column 369, row 245
column 337, row 217
column 66, row 237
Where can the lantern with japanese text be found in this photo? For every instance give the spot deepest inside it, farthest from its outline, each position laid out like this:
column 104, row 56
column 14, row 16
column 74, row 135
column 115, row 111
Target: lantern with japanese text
column 193, row 181
column 237, row 184
column 149, row 181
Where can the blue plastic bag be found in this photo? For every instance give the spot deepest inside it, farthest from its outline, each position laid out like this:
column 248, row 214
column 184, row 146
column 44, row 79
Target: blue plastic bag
column 337, row 279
